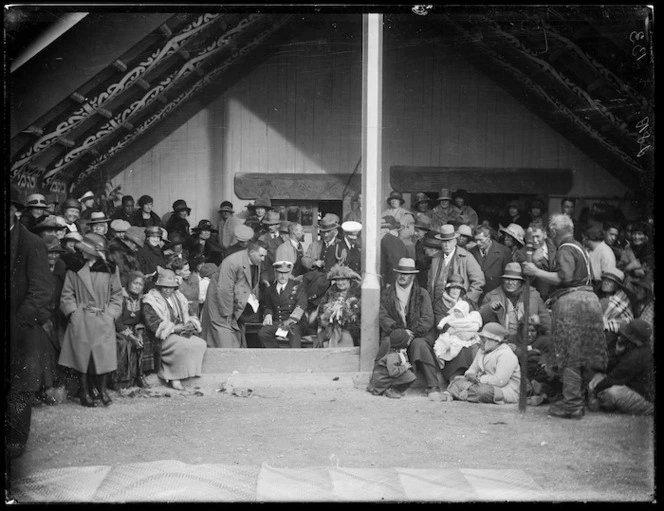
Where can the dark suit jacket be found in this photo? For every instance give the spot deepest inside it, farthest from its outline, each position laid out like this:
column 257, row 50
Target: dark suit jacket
column 290, row 304
column 31, row 291
column 493, row 264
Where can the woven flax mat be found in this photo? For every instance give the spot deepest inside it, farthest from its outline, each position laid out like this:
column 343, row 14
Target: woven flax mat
column 174, row 481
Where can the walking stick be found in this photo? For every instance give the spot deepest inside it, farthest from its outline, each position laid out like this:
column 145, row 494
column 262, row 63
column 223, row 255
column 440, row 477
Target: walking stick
column 525, row 293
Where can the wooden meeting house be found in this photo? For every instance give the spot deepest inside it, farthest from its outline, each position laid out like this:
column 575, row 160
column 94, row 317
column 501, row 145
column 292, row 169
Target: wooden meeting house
column 311, row 107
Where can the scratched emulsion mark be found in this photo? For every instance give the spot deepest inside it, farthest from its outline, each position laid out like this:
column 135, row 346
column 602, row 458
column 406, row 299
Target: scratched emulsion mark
column 641, row 41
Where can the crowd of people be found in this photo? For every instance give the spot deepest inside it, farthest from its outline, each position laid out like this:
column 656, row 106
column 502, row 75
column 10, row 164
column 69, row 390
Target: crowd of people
column 101, row 296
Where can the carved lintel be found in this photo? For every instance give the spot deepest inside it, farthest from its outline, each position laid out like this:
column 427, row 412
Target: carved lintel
column 79, row 98
column 120, row 66
column 166, row 30
column 296, row 186
column 482, row 179
column 143, row 84
column 104, row 113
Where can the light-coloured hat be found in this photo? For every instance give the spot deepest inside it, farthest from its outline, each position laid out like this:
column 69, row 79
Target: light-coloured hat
column 243, row 232
column 516, row 231
column 92, row 243
column 329, row 222
column 166, row 278
column 351, row 226
column 447, row 233
column 513, row 271
column 342, row 272
column 119, row 225
column 73, row 236
column 271, row 218
column 98, row 217
column 36, row 200
column 615, row 275
column 87, row 195
column 444, row 194
column 406, row 265
column 283, row 266
column 494, row 331
column 464, row 230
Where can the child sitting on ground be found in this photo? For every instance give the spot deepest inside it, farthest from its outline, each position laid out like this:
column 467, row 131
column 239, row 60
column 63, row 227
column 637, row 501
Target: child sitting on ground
column 392, row 375
column 458, row 330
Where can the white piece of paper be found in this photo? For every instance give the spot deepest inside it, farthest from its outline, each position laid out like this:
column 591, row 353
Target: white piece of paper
column 281, row 332
column 253, row 301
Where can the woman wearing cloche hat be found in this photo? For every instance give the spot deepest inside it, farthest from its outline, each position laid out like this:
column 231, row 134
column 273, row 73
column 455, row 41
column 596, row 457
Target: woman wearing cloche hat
column 167, row 319
column 178, row 221
column 91, row 300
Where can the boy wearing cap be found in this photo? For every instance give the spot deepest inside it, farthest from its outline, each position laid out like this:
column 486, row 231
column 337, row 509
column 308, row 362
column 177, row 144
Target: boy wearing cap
column 284, row 304
column 629, row 385
column 494, row 376
column 392, row 373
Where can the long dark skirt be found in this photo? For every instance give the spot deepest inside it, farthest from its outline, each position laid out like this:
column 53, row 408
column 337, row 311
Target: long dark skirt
column 129, row 359
column 578, row 330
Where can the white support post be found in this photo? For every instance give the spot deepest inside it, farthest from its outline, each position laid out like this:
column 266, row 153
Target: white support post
column 372, row 99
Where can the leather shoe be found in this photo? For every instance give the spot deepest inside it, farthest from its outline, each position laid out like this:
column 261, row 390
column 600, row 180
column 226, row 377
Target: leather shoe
column 87, row 400
column 106, row 399
column 557, row 411
column 391, row 393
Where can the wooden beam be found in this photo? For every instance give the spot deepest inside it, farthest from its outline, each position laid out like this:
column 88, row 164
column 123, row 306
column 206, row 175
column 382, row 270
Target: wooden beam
column 545, row 181
column 104, row 113
column 120, row 66
column 166, row 31
column 79, row 98
column 66, row 142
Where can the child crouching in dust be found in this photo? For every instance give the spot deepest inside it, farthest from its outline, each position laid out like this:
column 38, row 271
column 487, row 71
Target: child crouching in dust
column 391, row 374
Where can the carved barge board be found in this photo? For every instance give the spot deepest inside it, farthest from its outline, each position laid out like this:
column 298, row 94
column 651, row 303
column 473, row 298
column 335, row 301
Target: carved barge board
column 482, row 179
column 295, row 186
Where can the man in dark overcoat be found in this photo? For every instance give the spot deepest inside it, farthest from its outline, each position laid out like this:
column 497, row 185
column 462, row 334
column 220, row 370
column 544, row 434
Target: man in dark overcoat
column 31, row 291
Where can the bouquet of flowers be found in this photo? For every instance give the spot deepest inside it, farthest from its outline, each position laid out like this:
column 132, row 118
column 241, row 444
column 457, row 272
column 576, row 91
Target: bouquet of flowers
column 342, row 311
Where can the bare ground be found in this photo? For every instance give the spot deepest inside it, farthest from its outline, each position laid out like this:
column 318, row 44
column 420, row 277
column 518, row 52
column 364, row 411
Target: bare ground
column 603, row 457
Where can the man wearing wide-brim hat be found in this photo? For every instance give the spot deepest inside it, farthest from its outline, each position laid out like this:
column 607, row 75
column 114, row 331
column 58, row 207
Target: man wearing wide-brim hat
column 285, row 302
column 630, row 386
column 445, row 212
column 395, row 207
column 31, row 288
column 406, row 306
column 504, row 305
column 495, row 374
column 98, row 223
column 453, row 260
column 322, row 254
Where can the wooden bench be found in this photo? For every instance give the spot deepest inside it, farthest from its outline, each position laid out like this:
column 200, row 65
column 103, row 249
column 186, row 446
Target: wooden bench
column 251, row 333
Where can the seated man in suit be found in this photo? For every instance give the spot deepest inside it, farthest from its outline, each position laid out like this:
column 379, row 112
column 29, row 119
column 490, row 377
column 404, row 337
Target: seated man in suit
column 285, row 303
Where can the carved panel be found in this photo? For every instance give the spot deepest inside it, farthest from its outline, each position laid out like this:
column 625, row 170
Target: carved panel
column 296, row 186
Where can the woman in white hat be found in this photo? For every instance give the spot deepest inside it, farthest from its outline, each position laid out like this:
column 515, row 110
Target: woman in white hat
column 35, row 209
column 91, row 300
column 179, row 353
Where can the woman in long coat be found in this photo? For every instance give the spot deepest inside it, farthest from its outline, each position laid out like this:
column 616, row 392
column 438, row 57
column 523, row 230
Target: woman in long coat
column 167, row 317
column 91, row 300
